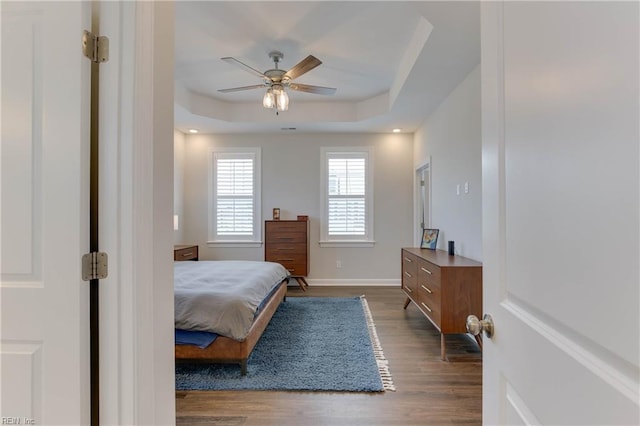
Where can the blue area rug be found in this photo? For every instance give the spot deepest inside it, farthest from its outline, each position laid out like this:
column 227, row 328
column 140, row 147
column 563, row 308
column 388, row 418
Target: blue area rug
column 311, row 343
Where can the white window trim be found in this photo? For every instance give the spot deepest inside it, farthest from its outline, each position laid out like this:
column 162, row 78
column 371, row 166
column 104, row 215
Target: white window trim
column 256, row 239
column 325, row 239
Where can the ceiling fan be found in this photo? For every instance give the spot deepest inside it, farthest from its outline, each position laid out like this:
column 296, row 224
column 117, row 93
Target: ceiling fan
column 275, row 80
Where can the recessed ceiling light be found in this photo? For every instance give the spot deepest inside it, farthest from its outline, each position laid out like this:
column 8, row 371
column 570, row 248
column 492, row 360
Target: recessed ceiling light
column 396, row 130
column 193, row 130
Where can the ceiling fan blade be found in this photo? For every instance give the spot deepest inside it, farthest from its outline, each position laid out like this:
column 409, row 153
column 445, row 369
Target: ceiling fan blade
column 238, row 89
column 318, row 90
column 304, row 66
column 244, row 66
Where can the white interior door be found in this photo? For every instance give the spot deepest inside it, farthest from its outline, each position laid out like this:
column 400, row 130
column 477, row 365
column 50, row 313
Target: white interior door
column 560, row 211
column 44, row 206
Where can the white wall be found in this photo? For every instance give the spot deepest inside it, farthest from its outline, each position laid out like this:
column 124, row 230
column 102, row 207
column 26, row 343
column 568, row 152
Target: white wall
column 178, row 178
column 291, row 181
column 451, row 136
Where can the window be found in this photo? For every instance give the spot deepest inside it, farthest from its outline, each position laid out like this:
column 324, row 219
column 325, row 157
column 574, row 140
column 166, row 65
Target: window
column 234, row 213
column 347, row 196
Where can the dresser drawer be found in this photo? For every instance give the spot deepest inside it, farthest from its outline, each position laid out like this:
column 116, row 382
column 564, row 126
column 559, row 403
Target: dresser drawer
column 288, row 257
column 284, row 249
column 181, row 253
column 430, row 295
column 295, row 264
column 286, row 227
column 296, row 269
column 428, row 272
column 430, row 310
column 409, row 262
column 277, row 237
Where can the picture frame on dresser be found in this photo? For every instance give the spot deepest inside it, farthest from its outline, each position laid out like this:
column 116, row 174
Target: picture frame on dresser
column 429, row 238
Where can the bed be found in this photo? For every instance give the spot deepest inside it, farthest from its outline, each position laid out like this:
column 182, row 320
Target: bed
column 231, row 302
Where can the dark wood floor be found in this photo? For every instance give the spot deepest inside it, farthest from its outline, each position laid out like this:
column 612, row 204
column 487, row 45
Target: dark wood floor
column 429, row 391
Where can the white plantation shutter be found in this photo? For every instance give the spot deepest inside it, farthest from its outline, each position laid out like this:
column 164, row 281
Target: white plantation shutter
column 235, row 191
column 347, row 195
column 347, row 207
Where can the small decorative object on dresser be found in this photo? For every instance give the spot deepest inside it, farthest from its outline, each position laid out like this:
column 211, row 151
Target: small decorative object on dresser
column 287, row 242
column 429, row 238
column 445, row 288
column 276, row 214
column 185, row 252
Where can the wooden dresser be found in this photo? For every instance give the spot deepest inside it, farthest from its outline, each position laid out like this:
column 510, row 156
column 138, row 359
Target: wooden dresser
column 445, row 288
column 287, row 242
column 185, row 252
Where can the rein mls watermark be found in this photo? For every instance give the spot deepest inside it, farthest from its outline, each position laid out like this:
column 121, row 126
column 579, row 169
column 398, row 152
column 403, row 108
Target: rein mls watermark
column 17, row 421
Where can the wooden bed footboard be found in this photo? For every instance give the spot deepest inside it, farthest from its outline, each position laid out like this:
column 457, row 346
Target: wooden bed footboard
column 226, row 350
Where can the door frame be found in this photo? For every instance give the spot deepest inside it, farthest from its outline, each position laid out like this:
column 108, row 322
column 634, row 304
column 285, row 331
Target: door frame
column 136, row 204
column 417, row 200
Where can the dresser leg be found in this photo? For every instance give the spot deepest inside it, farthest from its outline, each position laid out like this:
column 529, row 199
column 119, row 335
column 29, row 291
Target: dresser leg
column 406, row 303
column 302, row 283
column 443, row 347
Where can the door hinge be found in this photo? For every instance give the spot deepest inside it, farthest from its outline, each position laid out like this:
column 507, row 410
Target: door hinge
column 94, row 47
column 95, row 266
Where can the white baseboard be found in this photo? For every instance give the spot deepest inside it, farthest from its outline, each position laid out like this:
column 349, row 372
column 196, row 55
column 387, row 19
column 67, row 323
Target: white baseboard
column 344, row 282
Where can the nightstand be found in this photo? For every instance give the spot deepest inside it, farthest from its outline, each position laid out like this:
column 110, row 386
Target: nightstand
column 185, row 252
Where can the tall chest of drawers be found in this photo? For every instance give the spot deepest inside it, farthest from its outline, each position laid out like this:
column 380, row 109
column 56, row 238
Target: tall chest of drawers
column 445, row 288
column 287, row 242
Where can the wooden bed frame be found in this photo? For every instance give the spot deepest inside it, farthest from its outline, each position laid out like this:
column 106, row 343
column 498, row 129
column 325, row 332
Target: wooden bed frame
column 228, row 351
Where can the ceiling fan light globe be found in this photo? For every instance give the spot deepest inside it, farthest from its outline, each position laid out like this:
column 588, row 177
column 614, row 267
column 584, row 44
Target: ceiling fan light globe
column 269, row 99
column 282, row 100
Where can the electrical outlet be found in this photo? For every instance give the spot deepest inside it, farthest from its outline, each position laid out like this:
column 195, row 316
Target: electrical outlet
column 466, row 187
column 338, row 264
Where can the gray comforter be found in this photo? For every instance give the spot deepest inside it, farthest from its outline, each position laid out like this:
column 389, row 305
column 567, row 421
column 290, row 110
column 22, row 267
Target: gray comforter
column 222, row 296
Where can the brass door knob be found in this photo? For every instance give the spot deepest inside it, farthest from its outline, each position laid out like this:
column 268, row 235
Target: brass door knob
column 476, row 326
